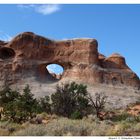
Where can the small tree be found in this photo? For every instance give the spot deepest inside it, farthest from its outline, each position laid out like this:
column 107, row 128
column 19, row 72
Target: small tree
column 44, row 104
column 7, row 95
column 70, row 98
column 28, row 102
column 22, row 107
column 99, row 102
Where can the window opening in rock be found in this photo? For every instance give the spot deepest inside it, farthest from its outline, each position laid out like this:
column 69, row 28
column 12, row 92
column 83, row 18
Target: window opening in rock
column 6, row 53
column 55, row 70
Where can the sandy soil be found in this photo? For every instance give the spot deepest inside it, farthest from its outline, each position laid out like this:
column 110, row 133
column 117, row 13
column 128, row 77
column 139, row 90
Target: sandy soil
column 118, row 96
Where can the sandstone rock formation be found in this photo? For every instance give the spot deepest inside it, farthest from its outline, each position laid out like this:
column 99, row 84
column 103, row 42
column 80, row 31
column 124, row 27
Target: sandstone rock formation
column 28, row 54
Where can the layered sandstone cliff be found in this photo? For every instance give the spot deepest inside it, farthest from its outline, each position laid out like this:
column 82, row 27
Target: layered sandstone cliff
column 28, row 54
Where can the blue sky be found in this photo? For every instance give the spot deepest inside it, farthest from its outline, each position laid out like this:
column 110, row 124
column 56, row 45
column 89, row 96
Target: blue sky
column 116, row 27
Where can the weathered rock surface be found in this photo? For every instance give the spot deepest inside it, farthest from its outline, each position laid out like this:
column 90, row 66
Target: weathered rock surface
column 28, row 54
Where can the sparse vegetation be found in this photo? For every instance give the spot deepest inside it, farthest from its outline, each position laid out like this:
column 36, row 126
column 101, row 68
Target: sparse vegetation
column 64, row 127
column 69, row 100
column 23, row 115
column 60, row 126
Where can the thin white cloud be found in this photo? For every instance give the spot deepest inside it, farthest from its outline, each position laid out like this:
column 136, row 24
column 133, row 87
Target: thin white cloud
column 23, row 6
column 45, row 9
column 4, row 36
column 48, row 9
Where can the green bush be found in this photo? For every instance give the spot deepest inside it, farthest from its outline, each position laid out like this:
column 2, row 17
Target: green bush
column 69, row 98
column 44, row 105
column 7, row 95
column 22, row 107
column 121, row 117
column 76, row 115
column 19, row 107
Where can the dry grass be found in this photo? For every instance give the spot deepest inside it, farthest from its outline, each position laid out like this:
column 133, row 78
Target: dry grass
column 90, row 126
column 8, row 128
column 67, row 127
column 122, row 125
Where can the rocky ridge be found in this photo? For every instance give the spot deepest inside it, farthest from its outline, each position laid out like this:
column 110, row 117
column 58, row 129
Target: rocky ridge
column 28, row 54
column 23, row 60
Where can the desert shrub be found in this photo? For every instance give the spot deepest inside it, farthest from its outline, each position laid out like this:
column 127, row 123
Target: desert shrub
column 70, row 98
column 121, row 117
column 133, row 130
column 44, row 105
column 76, row 115
column 7, row 95
column 133, row 119
column 121, row 128
column 21, row 107
column 125, row 128
column 137, row 118
column 98, row 103
column 136, row 127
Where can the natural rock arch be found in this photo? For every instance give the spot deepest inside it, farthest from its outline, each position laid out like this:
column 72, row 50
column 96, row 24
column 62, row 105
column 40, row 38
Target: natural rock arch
column 44, row 74
column 55, row 70
column 80, row 59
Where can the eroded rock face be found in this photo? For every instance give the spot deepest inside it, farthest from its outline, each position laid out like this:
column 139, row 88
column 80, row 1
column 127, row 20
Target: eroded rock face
column 28, row 54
